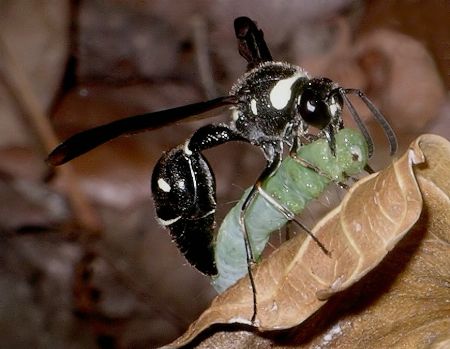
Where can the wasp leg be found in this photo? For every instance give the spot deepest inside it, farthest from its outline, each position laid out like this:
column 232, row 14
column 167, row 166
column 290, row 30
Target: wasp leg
column 270, row 169
column 367, row 168
column 290, row 216
column 331, row 140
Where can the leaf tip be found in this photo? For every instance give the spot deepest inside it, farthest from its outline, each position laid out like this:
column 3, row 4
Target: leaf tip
column 415, row 156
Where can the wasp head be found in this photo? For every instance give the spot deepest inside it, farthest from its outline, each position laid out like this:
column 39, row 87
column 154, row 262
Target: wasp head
column 320, row 103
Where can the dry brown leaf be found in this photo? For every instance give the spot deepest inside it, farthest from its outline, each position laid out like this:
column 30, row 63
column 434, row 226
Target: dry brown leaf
column 293, row 283
column 405, row 301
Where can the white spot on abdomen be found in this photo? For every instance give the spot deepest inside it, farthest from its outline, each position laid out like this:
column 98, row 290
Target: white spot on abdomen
column 186, row 149
column 163, row 185
column 167, row 222
column 253, row 107
column 208, row 213
column 281, row 93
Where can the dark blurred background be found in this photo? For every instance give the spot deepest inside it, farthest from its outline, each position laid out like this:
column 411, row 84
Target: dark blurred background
column 83, row 263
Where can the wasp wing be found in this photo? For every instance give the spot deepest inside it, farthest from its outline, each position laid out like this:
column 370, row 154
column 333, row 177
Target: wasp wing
column 85, row 141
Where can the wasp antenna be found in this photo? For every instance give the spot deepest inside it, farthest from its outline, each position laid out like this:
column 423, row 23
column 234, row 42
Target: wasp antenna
column 358, row 121
column 369, row 169
column 388, row 131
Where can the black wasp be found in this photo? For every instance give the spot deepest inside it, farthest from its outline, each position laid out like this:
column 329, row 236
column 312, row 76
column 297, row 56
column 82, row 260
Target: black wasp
column 273, row 105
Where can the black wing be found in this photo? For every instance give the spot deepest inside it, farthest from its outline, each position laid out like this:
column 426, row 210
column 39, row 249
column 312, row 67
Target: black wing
column 251, row 46
column 85, row 141
column 251, row 43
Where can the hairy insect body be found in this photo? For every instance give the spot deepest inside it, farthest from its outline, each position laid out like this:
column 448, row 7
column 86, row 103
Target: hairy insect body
column 293, row 186
column 264, row 115
column 186, row 204
column 266, row 101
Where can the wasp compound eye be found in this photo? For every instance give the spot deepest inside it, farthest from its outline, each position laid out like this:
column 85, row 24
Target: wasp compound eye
column 313, row 109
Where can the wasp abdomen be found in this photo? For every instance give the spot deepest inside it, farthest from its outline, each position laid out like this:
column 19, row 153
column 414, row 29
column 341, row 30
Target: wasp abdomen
column 183, row 188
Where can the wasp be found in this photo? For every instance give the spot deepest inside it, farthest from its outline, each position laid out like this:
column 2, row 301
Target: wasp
column 274, row 106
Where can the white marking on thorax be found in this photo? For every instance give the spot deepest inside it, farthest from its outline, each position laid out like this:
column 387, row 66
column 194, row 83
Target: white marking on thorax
column 281, row 93
column 253, row 107
column 167, row 222
column 163, row 185
column 235, row 115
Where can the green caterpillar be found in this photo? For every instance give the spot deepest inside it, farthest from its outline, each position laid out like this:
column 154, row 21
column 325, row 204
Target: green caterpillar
column 293, row 186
